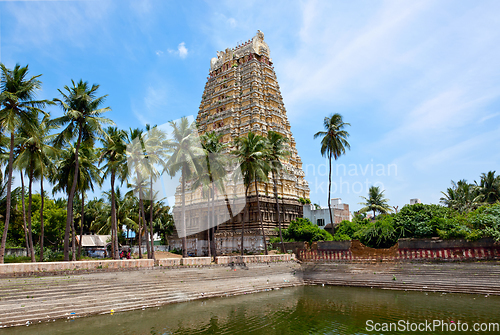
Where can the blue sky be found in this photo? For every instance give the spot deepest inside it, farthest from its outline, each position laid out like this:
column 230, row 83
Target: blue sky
column 419, row 81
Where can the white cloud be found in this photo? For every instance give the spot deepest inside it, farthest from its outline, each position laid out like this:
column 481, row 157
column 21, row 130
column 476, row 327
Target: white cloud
column 159, row 53
column 181, row 51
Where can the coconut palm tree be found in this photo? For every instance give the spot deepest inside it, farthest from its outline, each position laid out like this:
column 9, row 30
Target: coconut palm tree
column 277, row 151
column 114, row 154
column 462, row 196
column 185, row 148
column 156, row 157
column 375, row 202
column 87, row 175
column 36, row 156
column 212, row 177
column 18, row 107
column 333, row 145
column 137, row 166
column 489, row 187
column 83, row 120
column 252, row 151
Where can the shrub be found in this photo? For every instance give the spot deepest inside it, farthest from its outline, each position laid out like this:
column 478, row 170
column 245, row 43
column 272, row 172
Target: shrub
column 302, row 229
column 378, row 234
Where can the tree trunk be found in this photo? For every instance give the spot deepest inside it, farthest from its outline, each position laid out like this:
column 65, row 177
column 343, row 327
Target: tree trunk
column 81, row 227
column 275, row 189
column 148, row 247
column 69, row 215
column 184, row 239
column 42, row 230
column 9, row 187
column 151, row 234
column 139, row 237
column 212, row 244
column 24, row 215
column 73, row 240
column 209, row 218
column 329, row 190
column 114, row 231
column 30, row 232
column 247, row 210
column 260, row 218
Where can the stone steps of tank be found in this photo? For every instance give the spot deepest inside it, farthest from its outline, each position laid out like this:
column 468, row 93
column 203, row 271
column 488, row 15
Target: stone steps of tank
column 143, row 291
column 52, row 286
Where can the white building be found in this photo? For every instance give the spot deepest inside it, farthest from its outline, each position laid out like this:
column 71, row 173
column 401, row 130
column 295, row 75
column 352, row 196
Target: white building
column 321, row 216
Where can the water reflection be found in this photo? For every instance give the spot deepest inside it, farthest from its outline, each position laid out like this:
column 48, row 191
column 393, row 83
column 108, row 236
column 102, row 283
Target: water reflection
column 301, row 310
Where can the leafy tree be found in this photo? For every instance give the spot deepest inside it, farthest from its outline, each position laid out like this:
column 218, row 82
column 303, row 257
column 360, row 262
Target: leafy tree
column 277, row 151
column 251, row 151
column 333, row 145
column 18, row 107
column 83, row 120
column 375, row 202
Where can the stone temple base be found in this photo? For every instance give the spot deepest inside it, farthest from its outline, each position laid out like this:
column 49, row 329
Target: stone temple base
column 227, row 243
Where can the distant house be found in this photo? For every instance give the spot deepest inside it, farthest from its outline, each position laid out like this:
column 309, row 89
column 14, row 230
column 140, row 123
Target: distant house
column 415, row 201
column 321, row 216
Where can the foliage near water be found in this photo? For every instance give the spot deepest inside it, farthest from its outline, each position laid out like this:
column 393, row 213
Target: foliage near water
column 422, row 221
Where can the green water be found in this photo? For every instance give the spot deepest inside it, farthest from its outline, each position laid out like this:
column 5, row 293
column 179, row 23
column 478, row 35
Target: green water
column 301, row 310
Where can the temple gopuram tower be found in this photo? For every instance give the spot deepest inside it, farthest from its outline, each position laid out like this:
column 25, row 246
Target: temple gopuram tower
column 242, row 95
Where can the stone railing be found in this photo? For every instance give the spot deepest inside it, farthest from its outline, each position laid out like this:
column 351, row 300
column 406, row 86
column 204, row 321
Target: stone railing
column 404, row 250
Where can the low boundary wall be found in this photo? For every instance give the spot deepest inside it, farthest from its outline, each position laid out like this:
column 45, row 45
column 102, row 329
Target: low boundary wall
column 406, row 250
column 51, row 267
column 26, row 269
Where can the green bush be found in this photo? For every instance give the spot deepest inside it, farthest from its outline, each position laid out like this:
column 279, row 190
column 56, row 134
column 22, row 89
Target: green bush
column 302, row 229
column 378, row 234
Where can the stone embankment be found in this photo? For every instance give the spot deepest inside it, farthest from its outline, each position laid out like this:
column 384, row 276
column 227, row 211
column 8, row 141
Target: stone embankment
column 46, row 298
column 466, row 277
column 52, row 268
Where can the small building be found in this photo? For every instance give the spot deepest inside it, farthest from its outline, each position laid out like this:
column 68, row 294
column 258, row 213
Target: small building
column 321, row 216
column 94, row 245
column 415, row 201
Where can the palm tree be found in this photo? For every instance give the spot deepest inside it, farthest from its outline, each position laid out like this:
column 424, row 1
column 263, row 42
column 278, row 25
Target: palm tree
column 137, row 162
column 213, row 175
column 18, row 107
column 462, row 196
column 277, row 152
column 375, row 202
column 114, row 153
column 252, row 151
column 333, row 145
column 489, row 187
column 36, row 156
column 87, row 175
column 154, row 144
column 185, row 148
column 82, row 116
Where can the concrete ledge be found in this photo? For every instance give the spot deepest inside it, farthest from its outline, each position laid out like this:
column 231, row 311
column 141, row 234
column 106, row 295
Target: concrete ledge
column 168, row 262
column 27, row 268
column 196, row 261
column 253, row 259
